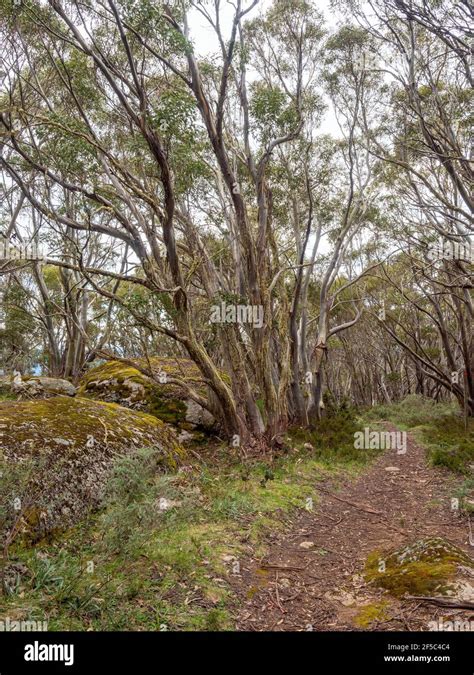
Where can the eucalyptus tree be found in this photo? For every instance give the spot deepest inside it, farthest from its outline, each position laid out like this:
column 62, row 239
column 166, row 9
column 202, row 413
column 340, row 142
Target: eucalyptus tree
column 190, row 197
column 55, row 297
column 20, row 338
column 112, row 126
column 423, row 136
column 355, row 195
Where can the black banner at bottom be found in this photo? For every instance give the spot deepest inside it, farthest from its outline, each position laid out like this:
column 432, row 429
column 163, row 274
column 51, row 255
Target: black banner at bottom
column 433, row 652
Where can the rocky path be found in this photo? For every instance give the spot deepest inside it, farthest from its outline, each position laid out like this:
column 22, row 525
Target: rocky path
column 312, row 576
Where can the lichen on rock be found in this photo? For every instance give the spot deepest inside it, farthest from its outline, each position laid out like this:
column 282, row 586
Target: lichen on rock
column 35, row 386
column 67, row 447
column 425, row 567
column 120, row 383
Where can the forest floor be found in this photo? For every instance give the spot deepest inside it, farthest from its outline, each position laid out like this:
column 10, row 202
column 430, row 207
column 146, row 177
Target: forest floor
column 280, row 543
column 312, row 575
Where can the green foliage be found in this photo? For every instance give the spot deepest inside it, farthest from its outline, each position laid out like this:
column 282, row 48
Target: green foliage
column 465, row 494
column 20, row 337
column 268, row 104
column 175, row 116
column 132, row 501
column 333, row 436
column 65, row 141
column 342, row 52
column 438, row 426
column 413, row 411
column 273, row 113
column 450, row 445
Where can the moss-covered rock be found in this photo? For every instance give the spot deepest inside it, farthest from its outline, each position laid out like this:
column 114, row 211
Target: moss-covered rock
column 35, row 386
column 425, row 567
column 65, row 448
column 117, row 382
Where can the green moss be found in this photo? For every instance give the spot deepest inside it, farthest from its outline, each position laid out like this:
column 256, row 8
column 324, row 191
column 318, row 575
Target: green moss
column 123, row 384
column 172, row 411
column 377, row 611
column 67, row 423
column 70, row 445
column 426, row 567
column 174, row 367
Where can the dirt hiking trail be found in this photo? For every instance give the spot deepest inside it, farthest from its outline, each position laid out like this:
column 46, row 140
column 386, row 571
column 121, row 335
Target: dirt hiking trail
column 312, row 575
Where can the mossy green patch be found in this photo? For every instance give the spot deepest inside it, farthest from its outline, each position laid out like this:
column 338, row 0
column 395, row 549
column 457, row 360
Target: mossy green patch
column 166, row 400
column 66, row 424
column 373, row 612
column 178, row 367
column 169, row 410
column 425, row 567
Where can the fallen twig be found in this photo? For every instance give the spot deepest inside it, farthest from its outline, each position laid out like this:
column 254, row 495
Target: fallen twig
column 283, row 567
column 442, row 602
column 356, row 506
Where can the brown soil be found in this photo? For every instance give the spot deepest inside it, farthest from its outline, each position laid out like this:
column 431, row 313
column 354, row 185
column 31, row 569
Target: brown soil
column 322, row 587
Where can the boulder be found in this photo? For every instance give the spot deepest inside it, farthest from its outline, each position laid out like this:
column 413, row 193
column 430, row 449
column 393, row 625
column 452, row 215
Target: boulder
column 431, row 566
column 56, row 455
column 39, row 386
column 116, row 382
column 55, row 386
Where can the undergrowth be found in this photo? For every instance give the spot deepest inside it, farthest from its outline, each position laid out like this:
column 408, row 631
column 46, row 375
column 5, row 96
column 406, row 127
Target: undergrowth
column 439, row 427
column 158, row 555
